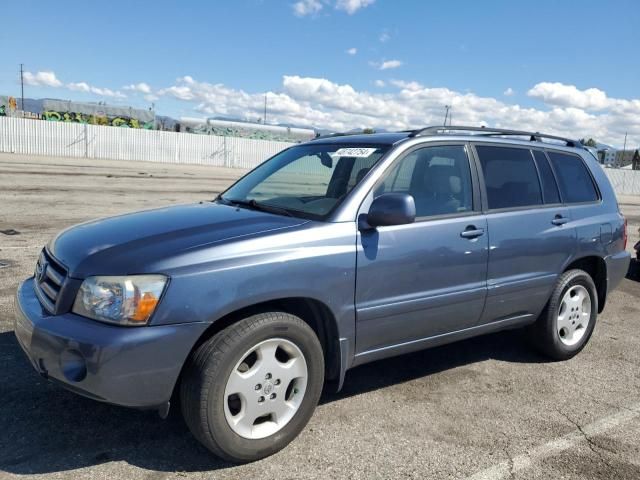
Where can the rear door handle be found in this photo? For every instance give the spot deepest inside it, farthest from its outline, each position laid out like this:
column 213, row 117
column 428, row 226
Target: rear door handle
column 472, row 232
column 559, row 220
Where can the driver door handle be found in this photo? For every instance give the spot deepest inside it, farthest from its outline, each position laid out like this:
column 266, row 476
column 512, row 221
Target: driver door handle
column 472, row 232
column 559, row 220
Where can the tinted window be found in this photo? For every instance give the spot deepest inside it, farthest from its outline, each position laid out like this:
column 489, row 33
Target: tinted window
column 575, row 181
column 510, row 177
column 438, row 178
column 549, row 187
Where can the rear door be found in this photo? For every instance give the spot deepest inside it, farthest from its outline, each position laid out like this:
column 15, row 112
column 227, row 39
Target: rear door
column 529, row 239
column 594, row 231
column 429, row 277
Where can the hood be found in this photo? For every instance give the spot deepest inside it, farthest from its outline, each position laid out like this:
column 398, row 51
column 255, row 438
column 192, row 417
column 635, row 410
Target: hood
column 129, row 244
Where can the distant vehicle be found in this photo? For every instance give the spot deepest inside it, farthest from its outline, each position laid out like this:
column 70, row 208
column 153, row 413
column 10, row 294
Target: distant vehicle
column 333, row 253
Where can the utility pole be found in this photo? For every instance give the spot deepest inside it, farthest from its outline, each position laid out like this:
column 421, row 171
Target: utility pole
column 446, row 114
column 22, row 88
column 624, row 149
column 264, row 118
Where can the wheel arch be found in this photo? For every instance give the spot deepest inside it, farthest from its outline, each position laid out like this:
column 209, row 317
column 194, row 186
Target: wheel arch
column 312, row 311
column 596, row 267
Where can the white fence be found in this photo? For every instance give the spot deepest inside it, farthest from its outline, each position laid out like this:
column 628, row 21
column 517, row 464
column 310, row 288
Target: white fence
column 39, row 137
column 625, row 182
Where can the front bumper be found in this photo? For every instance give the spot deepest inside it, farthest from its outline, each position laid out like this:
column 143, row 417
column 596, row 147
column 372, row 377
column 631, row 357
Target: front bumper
column 129, row 366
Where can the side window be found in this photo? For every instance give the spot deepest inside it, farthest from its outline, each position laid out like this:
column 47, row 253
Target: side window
column 510, row 177
column 549, row 186
column 575, row 181
column 438, row 178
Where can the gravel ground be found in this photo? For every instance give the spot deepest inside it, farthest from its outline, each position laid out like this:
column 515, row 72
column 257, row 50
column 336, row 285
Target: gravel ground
column 486, row 408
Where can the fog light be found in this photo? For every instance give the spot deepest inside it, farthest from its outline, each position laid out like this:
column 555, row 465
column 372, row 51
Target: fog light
column 73, row 365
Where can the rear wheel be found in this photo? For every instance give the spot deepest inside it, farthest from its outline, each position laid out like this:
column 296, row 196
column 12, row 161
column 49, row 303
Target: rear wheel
column 249, row 390
column 567, row 322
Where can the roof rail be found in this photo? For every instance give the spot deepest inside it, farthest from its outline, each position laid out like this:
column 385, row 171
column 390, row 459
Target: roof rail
column 492, row 132
column 337, row 134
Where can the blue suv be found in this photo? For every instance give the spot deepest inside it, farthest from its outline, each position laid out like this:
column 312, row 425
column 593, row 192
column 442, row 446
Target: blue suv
column 331, row 254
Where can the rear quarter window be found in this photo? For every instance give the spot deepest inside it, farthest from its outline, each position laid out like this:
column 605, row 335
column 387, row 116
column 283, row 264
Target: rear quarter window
column 576, row 183
column 549, row 186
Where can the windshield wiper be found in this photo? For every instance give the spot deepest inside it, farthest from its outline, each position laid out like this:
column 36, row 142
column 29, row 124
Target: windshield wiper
column 264, row 207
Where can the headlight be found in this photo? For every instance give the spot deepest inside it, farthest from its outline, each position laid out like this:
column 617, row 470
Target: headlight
column 127, row 300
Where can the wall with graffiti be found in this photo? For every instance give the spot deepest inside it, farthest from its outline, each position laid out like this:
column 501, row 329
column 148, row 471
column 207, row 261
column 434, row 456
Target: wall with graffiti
column 97, row 114
column 8, row 106
column 96, row 119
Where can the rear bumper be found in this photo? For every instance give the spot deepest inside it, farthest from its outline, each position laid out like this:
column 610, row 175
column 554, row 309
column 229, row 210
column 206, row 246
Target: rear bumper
column 129, row 366
column 617, row 268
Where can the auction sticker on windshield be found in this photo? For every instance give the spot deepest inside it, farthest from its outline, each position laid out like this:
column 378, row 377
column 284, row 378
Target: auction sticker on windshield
column 354, row 152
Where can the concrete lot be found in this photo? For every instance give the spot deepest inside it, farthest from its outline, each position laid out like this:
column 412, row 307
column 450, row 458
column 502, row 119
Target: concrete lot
column 487, row 408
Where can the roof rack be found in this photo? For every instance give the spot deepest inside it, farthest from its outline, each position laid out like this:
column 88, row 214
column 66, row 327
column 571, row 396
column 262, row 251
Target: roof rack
column 337, row 134
column 493, row 132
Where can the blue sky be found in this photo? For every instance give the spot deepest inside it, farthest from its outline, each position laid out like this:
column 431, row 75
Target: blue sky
column 568, row 66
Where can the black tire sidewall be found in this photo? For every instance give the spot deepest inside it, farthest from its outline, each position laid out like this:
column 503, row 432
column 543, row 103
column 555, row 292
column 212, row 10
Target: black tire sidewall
column 568, row 280
column 241, row 449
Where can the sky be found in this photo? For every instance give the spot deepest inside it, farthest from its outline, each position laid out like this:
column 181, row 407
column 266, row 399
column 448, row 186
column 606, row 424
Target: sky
column 565, row 67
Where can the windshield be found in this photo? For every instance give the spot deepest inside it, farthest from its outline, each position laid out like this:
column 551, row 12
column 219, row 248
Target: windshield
column 307, row 180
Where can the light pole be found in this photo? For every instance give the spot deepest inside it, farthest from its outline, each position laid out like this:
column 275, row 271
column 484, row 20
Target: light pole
column 264, row 118
column 22, row 88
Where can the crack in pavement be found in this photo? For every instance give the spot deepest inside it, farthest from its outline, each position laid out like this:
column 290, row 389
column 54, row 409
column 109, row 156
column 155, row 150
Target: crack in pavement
column 524, row 461
column 593, row 446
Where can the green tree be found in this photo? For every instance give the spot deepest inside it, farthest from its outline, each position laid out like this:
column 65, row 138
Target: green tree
column 589, row 143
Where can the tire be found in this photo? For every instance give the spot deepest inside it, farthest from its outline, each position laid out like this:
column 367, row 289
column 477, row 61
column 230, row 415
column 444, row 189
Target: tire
column 549, row 334
column 220, row 419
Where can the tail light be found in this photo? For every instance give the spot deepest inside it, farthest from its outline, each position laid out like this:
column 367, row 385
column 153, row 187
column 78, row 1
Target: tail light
column 625, row 236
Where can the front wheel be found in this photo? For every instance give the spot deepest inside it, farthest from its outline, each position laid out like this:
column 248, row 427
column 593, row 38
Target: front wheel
column 249, row 390
column 567, row 322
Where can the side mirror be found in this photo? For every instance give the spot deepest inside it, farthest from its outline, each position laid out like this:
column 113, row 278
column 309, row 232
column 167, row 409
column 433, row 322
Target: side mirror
column 391, row 209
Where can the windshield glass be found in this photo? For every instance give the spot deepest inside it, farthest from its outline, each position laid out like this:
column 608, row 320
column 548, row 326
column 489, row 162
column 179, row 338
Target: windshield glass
column 307, row 180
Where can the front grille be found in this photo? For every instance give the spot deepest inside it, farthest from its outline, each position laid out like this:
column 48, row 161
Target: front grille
column 49, row 279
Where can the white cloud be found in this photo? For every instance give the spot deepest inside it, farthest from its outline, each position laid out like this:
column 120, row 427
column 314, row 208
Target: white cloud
column 303, row 8
column 559, row 94
column 151, row 97
column 138, row 87
column 49, row 79
column 352, row 6
column 79, row 86
column 384, row 37
column 352, row 51
column 379, row 83
column 321, row 103
column 42, row 79
column 509, row 92
column 107, row 92
column 386, row 64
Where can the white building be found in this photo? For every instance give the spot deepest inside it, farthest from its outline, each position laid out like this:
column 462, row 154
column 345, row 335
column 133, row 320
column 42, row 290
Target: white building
column 608, row 156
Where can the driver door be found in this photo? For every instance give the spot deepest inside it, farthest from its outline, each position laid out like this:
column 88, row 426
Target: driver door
column 426, row 278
